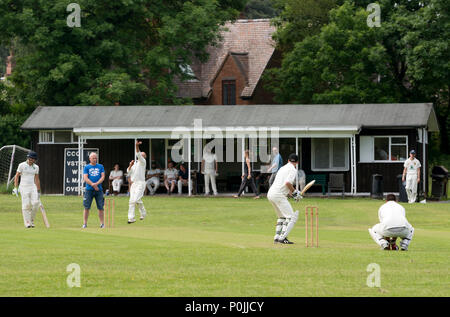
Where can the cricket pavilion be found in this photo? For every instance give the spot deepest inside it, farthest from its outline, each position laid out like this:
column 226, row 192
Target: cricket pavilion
column 354, row 140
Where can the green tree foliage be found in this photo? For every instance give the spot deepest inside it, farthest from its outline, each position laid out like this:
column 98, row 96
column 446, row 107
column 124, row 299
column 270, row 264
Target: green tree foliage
column 404, row 60
column 426, row 46
column 126, row 51
column 4, row 53
column 300, row 18
column 10, row 132
column 11, row 118
column 260, row 9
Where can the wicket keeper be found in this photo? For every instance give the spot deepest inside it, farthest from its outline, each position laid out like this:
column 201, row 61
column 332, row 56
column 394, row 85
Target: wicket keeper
column 393, row 224
column 29, row 188
column 277, row 195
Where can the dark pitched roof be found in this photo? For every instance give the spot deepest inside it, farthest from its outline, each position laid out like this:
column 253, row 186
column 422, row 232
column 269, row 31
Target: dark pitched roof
column 299, row 116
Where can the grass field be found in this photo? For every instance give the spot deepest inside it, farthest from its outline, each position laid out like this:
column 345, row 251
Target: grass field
column 218, row 247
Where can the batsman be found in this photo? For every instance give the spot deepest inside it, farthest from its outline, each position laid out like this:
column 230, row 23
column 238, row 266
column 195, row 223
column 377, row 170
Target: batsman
column 281, row 188
column 29, row 188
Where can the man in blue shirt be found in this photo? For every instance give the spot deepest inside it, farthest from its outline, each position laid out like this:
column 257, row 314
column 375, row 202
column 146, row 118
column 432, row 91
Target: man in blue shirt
column 277, row 162
column 93, row 175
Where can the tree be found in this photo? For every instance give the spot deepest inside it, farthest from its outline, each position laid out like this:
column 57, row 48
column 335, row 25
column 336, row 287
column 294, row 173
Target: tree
column 11, row 119
column 404, row 60
column 300, row 18
column 427, row 52
column 125, row 52
column 260, row 9
column 341, row 64
column 4, row 53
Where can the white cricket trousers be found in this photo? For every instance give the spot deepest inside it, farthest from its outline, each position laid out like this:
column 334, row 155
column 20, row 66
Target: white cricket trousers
column 116, row 183
column 210, row 176
column 136, row 193
column 180, row 186
column 411, row 187
column 30, row 203
column 155, row 182
column 286, row 216
column 282, row 207
column 379, row 232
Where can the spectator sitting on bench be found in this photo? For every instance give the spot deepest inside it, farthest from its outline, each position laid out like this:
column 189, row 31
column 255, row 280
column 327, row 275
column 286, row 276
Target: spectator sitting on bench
column 116, row 179
column 170, row 178
column 152, row 179
column 183, row 179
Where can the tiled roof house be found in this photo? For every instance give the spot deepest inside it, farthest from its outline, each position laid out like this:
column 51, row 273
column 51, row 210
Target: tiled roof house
column 232, row 74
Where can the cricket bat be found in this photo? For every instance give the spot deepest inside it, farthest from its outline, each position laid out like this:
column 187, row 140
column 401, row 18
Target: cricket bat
column 44, row 215
column 308, row 186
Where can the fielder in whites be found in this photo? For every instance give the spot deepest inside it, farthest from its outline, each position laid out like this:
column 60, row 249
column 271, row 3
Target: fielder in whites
column 282, row 187
column 412, row 172
column 393, row 224
column 137, row 188
column 29, row 188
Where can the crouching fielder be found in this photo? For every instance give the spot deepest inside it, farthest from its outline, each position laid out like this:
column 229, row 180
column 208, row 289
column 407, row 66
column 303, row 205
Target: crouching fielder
column 393, row 223
column 29, row 188
column 138, row 185
column 277, row 195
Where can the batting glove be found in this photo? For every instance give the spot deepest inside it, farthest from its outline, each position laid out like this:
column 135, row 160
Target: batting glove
column 15, row 191
column 297, row 195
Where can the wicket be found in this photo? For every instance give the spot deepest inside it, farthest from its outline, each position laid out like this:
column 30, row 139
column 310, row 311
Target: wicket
column 110, row 205
column 310, row 212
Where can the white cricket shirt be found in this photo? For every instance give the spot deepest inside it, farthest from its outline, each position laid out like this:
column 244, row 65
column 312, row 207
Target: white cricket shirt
column 138, row 173
column 115, row 174
column 27, row 173
column 412, row 166
column 210, row 159
column 285, row 174
column 392, row 215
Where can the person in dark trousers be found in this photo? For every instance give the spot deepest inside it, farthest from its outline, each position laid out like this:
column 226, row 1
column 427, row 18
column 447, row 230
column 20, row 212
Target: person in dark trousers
column 247, row 178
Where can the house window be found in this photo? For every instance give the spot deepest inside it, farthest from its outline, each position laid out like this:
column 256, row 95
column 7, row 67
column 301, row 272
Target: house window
column 329, row 154
column 383, row 148
column 45, row 136
column 58, row 136
column 63, row 137
column 390, row 148
column 229, row 92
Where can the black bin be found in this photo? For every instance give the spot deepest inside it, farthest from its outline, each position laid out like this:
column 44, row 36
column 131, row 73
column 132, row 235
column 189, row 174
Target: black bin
column 439, row 175
column 377, row 186
column 402, row 195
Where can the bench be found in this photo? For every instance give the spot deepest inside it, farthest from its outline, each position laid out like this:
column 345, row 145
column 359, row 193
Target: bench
column 162, row 188
column 336, row 182
column 321, row 179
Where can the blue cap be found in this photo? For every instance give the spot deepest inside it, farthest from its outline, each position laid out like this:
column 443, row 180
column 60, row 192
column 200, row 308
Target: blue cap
column 32, row 155
column 412, row 152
